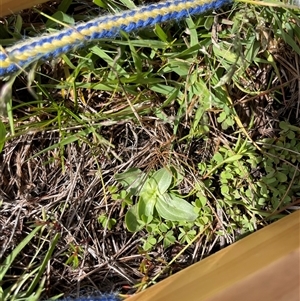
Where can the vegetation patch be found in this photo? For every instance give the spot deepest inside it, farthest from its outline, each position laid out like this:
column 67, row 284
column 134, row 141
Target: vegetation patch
column 131, row 159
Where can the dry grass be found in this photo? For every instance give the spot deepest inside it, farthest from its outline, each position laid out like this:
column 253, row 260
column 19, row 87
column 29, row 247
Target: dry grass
column 65, row 188
column 71, row 201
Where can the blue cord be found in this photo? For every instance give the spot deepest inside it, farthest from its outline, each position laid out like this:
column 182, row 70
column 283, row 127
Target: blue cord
column 51, row 46
column 104, row 297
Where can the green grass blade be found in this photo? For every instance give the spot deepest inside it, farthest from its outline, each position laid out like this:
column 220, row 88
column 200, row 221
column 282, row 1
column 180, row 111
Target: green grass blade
column 11, row 257
column 42, row 267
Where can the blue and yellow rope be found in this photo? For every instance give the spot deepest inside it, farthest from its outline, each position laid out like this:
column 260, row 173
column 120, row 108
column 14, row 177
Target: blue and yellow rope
column 105, row 297
column 50, row 46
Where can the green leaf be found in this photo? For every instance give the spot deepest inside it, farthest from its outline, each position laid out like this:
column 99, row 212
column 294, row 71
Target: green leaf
column 204, row 220
column 163, row 227
column 11, row 257
column 149, row 243
column 18, row 24
column 169, row 239
column 281, row 177
column 131, row 220
column 286, row 37
column 146, row 204
column 146, row 219
column 225, row 54
column 173, row 208
column 129, row 4
column 201, row 200
column 2, row 135
column 100, row 3
column 209, row 22
column 108, row 59
column 287, row 199
column 61, row 17
column 65, row 141
column 269, row 181
column 133, row 179
column 37, row 279
column 106, row 222
column 226, row 174
column 112, row 189
column 225, row 190
column 160, row 33
column 163, row 179
column 218, row 158
column 222, row 117
column 262, row 201
column 291, row 135
column 193, row 32
column 284, row 125
column 233, row 158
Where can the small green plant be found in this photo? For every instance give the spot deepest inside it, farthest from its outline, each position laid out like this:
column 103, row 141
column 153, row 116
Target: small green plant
column 2, row 135
column 74, row 254
column 106, row 221
column 155, row 198
column 279, row 182
column 247, row 185
column 158, row 208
